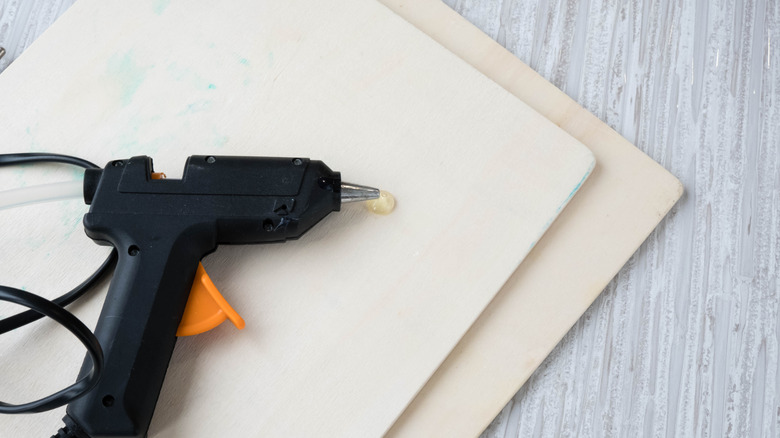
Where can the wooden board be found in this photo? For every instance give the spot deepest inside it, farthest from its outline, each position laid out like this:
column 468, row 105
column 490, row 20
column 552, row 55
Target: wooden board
column 348, row 323
column 624, row 199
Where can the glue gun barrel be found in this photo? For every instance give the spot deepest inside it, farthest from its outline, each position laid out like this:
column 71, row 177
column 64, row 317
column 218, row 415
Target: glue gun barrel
column 356, row 193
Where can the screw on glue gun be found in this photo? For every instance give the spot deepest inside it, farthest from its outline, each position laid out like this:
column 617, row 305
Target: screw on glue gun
column 161, row 229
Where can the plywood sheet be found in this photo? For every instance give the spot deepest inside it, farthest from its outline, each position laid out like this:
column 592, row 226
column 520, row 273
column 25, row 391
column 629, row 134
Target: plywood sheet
column 347, row 324
column 624, row 199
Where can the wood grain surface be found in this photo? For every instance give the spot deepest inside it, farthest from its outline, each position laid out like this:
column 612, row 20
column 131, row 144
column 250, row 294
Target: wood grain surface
column 685, row 340
column 349, row 350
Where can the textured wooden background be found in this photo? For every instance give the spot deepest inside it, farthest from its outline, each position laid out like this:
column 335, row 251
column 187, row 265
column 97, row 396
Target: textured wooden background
column 685, row 340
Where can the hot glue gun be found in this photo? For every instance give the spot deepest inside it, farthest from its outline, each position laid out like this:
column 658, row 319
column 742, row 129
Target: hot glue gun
column 161, row 229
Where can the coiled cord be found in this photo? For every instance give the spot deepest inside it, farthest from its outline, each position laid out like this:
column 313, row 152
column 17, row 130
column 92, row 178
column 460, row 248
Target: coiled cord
column 40, row 307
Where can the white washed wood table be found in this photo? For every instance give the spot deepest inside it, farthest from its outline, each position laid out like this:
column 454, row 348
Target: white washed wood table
column 685, row 340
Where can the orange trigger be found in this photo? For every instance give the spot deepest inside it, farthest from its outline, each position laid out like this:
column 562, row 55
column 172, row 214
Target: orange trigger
column 206, row 307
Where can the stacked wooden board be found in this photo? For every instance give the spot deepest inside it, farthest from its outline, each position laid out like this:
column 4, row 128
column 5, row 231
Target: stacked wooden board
column 623, row 201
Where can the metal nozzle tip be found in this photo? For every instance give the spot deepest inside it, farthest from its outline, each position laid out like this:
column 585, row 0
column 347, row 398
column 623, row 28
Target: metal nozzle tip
column 356, row 193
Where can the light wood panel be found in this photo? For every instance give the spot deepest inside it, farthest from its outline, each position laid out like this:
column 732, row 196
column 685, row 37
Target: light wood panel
column 349, row 322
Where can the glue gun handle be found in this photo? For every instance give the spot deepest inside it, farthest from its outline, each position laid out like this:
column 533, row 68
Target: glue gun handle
column 138, row 323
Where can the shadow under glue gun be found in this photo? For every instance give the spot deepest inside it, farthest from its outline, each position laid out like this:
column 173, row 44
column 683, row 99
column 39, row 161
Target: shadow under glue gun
column 161, row 229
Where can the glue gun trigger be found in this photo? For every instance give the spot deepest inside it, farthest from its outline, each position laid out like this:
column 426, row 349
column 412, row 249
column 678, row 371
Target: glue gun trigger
column 206, row 308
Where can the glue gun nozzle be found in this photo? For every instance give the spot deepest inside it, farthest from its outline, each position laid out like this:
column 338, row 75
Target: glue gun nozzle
column 356, row 193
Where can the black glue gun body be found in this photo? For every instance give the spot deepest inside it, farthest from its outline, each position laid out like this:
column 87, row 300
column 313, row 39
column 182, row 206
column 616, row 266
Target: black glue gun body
column 161, row 229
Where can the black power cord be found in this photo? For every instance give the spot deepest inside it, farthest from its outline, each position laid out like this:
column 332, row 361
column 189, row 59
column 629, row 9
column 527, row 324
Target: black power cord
column 40, row 307
column 21, row 319
column 76, row 327
column 43, row 157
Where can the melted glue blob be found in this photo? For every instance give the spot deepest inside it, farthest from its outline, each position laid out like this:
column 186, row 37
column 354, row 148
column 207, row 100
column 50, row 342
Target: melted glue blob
column 382, row 205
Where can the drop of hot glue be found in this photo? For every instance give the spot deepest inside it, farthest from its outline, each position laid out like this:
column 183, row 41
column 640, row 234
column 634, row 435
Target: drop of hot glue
column 384, row 204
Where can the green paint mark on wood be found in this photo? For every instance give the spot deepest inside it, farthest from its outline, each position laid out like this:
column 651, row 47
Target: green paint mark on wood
column 159, row 6
column 195, row 107
column 188, row 76
column 128, row 74
column 219, row 140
